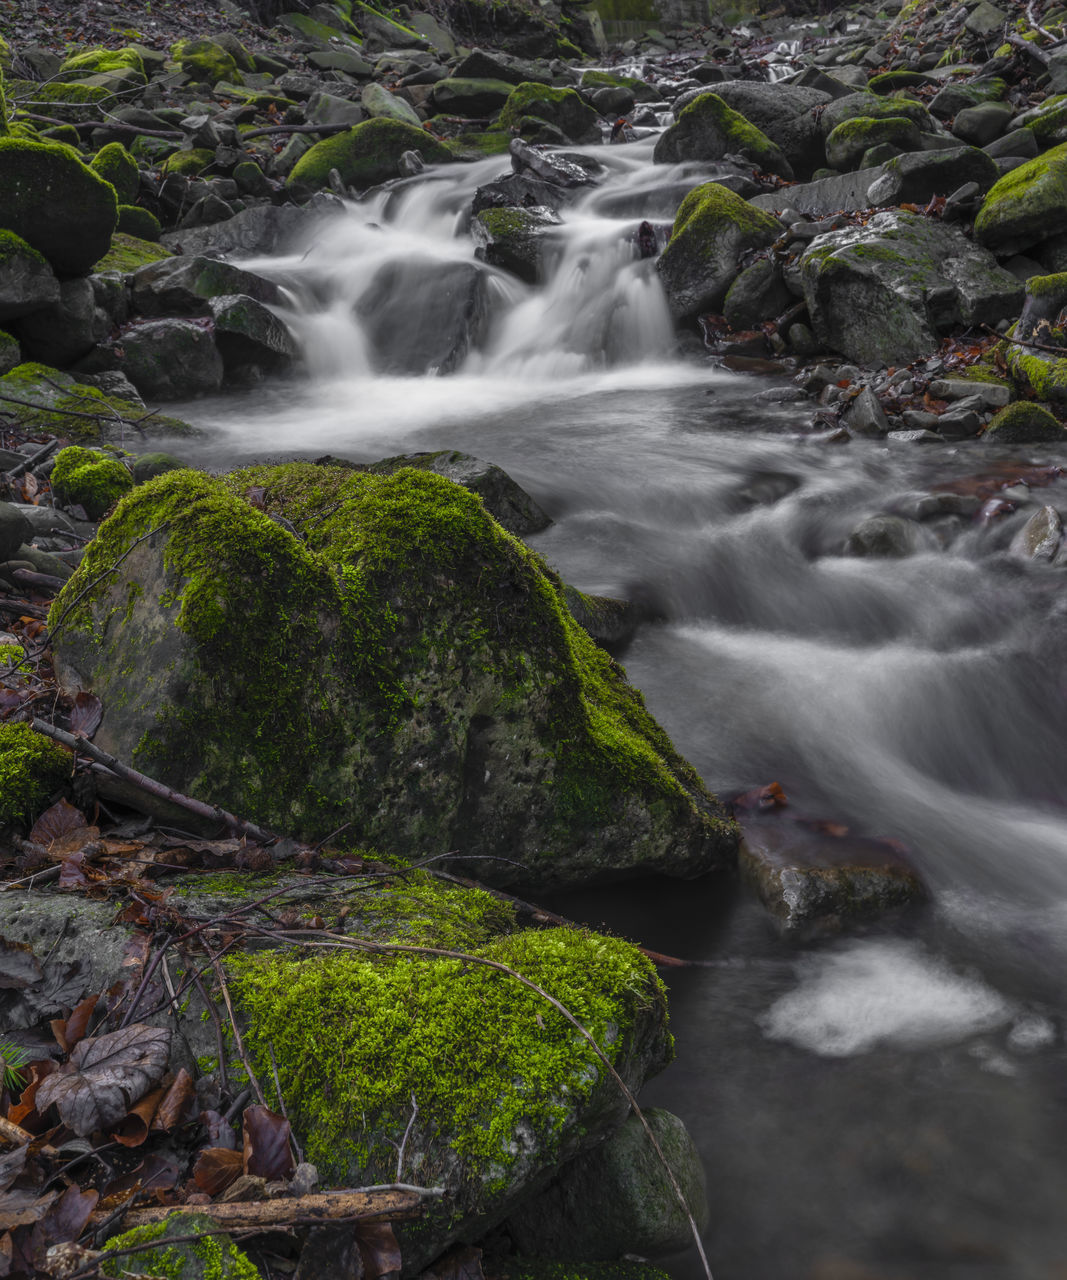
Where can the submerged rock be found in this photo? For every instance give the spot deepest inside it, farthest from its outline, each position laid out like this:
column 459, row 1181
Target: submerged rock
column 436, row 691
column 514, row 239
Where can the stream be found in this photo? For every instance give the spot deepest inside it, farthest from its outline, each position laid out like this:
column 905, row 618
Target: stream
column 888, row 1105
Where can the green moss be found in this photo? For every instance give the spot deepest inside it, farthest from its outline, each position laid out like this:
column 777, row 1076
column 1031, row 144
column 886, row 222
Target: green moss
column 31, row 768
column 139, row 223
column 3, row 107
column 46, row 392
column 115, row 165
column 12, row 659
column 848, row 142
column 892, row 81
column 94, row 61
column 706, row 206
column 560, row 107
column 1027, row 204
column 12, row 245
column 474, row 144
column 366, row 154
column 92, row 480
column 708, row 116
column 189, row 162
column 1024, row 422
column 127, row 253
column 1047, row 286
column 205, row 62
column 484, row 1057
column 68, row 101
column 211, row 1256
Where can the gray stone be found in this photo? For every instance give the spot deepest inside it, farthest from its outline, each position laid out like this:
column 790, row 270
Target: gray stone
column 814, row 884
column 1020, row 142
column 327, row 108
column 865, row 416
column 184, row 286
column 438, row 37
column 520, row 190
column 915, row 178
column 66, row 330
column 984, row 123
column 883, row 536
column 549, row 168
column 880, row 294
column 474, row 98
column 707, row 129
column 846, row 193
column 378, row 102
column 617, row 1200
column 514, row 239
column 1040, row 538
column 27, row 282
column 261, row 229
column 784, row 113
column 870, row 106
column 15, row 529
column 759, row 293
column 856, row 139
column 985, row 20
column 613, row 100
column 247, row 334
column 170, row 359
column 993, row 395
column 347, row 61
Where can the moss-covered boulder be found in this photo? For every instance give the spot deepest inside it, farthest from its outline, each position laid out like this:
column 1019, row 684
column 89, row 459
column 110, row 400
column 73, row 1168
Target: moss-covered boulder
column 437, row 692
column 184, row 286
column 71, row 103
column 206, row 62
column 712, row 229
column 10, row 352
column 365, row 155
column 115, row 165
column 1026, row 206
column 786, row 113
column 27, row 282
column 126, row 253
column 514, row 239
column 185, row 1246
column 872, row 107
column 90, row 479
column 94, row 62
column 32, row 767
column 1024, row 422
column 707, row 129
column 561, row 108
column 140, row 223
column 189, row 163
column 56, row 204
column 881, row 293
column 462, row 96
column 845, row 147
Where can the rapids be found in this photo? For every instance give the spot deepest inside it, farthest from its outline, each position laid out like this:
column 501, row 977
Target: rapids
column 890, row 1104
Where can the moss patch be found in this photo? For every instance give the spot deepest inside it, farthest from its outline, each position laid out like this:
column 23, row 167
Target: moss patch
column 366, row 155
column 139, row 223
column 94, row 481
column 560, row 107
column 128, row 252
column 1026, row 205
column 115, row 165
column 213, row 1256
column 31, row 768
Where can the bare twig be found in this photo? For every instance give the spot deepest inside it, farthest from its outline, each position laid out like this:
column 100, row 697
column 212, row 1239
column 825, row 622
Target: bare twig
column 1027, row 342
column 281, row 1103
column 32, row 460
column 220, row 1041
column 404, row 1139
column 238, row 1039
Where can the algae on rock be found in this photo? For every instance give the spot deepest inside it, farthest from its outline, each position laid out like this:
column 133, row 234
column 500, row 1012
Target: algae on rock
column 415, row 674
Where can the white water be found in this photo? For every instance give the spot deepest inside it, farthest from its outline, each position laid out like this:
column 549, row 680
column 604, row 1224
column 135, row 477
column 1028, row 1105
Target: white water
column 892, row 1100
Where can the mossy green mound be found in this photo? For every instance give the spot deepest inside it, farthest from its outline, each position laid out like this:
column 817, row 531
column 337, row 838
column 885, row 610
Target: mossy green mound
column 57, row 205
column 140, row 223
column 186, row 1246
column 707, row 129
column 366, row 155
column 94, row 481
column 32, row 767
column 1024, row 422
column 96, row 61
column 115, row 165
column 206, row 62
column 562, row 108
column 437, row 693
column 1026, row 206
column 712, row 229
column 71, row 102
column 126, row 253
column 872, row 107
column 847, row 144
column 189, row 162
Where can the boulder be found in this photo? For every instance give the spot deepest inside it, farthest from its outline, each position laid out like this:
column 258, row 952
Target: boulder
column 66, row 329
column 814, row 884
column 380, row 32
column 983, row 124
column 26, row 280
column 521, row 190
column 785, row 113
column 249, row 336
column 115, row 165
column 169, row 359
column 366, row 155
column 616, row 1200
column 261, row 229
column 437, row 693
column 14, row 530
column 206, row 62
column 185, row 286
column 1040, row 538
column 1024, row 422
column 707, row 129
column 463, row 96
column 917, row 177
column 10, row 353
column 853, row 138
column 871, row 106
column 91, row 479
column 514, row 239
column 380, row 104
column 561, row 108
column 58, row 205
column 959, row 95
column 1025, row 206
column 425, row 314
column 759, row 293
column 880, row 293
column 509, row 505
column 842, row 193
column 493, row 64
column 884, row 537
column 713, row 229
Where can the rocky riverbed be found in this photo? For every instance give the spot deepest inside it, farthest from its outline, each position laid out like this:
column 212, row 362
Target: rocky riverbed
column 865, row 210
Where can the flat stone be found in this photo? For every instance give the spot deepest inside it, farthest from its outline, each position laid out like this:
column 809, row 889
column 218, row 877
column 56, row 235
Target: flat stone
column 846, row 193
column 994, row 395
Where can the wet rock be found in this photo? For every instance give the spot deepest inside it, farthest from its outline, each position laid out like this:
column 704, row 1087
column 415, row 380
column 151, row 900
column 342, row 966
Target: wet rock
column 869, row 106
column 521, row 190
column 707, row 129
column 380, row 104
column 884, row 536
column 992, row 395
column 463, row 96
column 561, row 108
column 185, row 286
column 553, row 169
column 920, row 175
column 366, row 155
column 426, row 315
column 713, row 229
column 67, row 329
column 915, row 436
column 15, row 529
column 1026, row 206
column 514, row 239
column 27, row 282
column 983, row 124
column 865, row 416
column 881, row 293
column 1020, row 143
column 784, row 113
column 847, row 192
column 613, row 101
column 616, row 1200
column 759, row 293
column 260, row 229
column 507, row 502
column 248, row 335
column 170, row 359
column 1024, row 422
column 1040, row 538
column 814, row 884
column 853, row 138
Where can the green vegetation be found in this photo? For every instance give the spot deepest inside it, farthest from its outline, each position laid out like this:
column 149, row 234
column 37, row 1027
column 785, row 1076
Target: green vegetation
column 139, row 223
column 1024, row 422
column 560, row 107
column 115, row 165
column 366, row 155
column 205, row 62
column 31, row 768
column 95, row 61
column 127, row 253
column 1027, row 204
column 93, row 480
column 211, row 1256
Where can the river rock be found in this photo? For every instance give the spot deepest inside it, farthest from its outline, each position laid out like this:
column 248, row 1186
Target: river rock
column 180, row 1251
column 185, row 286
column 865, row 416
column 67, row 329
column 880, row 293
column 885, row 536
column 555, row 169
column 759, row 293
column 26, row 280
column 846, row 192
column 870, row 106
column 15, row 529
column 1040, row 538
column 1026, row 206
column 561, row 108
column 520, row 190
column 855, row 137
column 515, row 1093
column 56, row 204
column 248, row 335
column 260, row 229
column 380, row 104
column 439, row 693
column 365, row 155
column 707, row 129
column 785, row 113
column 461, row 96
column 509, row 504
column 917, row 177
column 713, row 229
column 514, row 239
column 427, row 315
column 814, row 884
column 169, row 359
column 1024, row 422
column 616, row 1200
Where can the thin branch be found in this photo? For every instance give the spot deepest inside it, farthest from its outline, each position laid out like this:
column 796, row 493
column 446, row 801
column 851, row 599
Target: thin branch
column 404, row 1139
column 237, row 1037
column 1027, row 342
column 220, row 1041
column 285, row 1114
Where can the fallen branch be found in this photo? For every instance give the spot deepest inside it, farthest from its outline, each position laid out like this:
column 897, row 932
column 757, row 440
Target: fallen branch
column 68, row 413
column 1027, row 342
column 19, row 607
column 324, row 129
column 32, row 460
column 212, row 813
column 33, row 579
column 1028, row 46
column 89, row 125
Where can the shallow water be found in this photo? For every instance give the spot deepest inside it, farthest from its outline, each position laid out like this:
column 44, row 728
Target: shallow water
column 887, row 1105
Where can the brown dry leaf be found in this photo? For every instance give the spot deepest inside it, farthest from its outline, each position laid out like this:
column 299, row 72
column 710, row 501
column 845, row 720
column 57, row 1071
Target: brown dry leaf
column 86, row 714
column 134, row 1128
column 175, row 1104
column 24, row 1112
column 267, row 1152
column 216, row 1168
column 105, row 1076
column 463, row 1262
column 65, row 1220
column 23, row 1207
column 70, row 1030
column 84, row 843
column 378, row 1248
column 11, row 1165
column 57, row 823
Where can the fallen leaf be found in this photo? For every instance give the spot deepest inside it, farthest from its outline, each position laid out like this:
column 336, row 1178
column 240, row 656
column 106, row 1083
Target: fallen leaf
column 134, row 1128
column 22, row 1207
column 57, row 823
column 175, row 1104
column 106, row 1076
column 69, row 1031
column 378, row 1248
column 11, row 1165
column 86, row 715
column 267, row 1151
column 65, row 1220
column 216, row 1168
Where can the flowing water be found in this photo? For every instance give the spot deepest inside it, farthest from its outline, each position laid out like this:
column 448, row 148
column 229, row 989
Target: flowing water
column 891, row 1104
